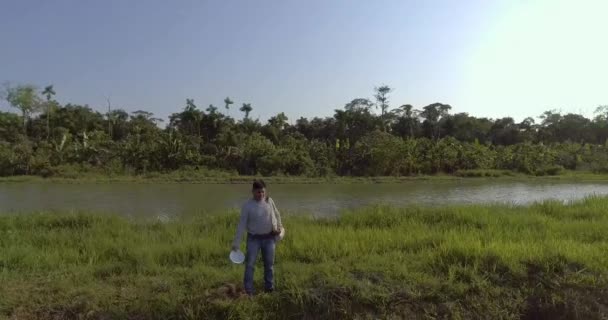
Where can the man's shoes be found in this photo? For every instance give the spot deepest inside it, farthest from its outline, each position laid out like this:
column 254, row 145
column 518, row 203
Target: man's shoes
column 269, row 290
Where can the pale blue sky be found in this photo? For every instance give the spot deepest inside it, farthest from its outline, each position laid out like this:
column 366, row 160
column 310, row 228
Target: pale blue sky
column 489, row 58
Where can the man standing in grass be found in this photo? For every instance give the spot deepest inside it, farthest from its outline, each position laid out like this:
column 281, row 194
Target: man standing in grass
column 262, row 221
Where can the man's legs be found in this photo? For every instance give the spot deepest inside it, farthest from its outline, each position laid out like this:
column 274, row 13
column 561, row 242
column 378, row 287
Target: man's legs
column 253, row 246
column 268, row 246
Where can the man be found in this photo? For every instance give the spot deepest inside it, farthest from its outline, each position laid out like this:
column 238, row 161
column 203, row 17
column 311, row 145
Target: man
column 262, row 221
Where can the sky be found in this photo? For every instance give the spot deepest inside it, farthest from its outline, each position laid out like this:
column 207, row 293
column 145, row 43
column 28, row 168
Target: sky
column 489, row 58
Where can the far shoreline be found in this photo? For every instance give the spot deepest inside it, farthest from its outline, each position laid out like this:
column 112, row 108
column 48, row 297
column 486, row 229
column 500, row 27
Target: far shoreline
column 203, row 177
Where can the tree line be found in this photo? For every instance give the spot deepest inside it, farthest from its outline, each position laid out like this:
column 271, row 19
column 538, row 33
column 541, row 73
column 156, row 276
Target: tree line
column 366, row 137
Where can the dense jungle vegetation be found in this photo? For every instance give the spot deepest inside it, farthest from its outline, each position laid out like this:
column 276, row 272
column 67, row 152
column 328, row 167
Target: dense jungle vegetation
column 366, row 137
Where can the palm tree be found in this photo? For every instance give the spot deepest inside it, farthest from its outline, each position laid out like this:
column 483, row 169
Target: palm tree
column 49, row 93
column 247, row 109
column 228, row 102
column 211, row 109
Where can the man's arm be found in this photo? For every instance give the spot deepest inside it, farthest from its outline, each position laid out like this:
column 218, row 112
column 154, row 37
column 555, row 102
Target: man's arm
column 240, row 229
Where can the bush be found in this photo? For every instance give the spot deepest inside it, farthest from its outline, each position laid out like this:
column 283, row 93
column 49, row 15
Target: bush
column 553, row 170
column 483, row 173
column 71, row 171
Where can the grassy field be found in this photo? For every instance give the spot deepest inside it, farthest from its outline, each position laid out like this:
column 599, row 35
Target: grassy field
column 545, row 261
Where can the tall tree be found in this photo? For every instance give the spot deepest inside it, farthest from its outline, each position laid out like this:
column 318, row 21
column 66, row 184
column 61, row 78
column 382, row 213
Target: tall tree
column 549, row 125
column 275, row 127
column 196, row 114
column 382, row 102
column 354, row 122
column 187, row 121
column 212, row 109
column 246, row 108
column 505, row 132
column 433, row 114
column 279, row 121
column 109, row 115
column 601, row 113
column 358, row 104
column 407, row 120
column 10, row 126
column 24, row 98
column 227, row 103
column 48, row 92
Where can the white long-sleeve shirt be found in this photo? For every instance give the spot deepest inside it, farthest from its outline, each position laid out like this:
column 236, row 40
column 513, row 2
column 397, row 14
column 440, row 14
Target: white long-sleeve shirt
column 257, row 218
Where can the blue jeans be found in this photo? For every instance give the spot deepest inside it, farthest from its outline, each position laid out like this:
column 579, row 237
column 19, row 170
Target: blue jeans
column 254, row 245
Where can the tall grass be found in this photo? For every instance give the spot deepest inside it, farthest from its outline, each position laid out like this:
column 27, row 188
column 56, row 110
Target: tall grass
column 547, row 260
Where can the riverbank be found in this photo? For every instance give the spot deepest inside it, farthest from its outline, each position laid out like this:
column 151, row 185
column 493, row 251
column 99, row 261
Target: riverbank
column 470, row 262
column 218, row 177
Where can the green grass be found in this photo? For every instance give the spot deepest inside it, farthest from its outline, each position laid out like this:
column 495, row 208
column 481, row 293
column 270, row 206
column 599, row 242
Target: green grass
column 544, row 261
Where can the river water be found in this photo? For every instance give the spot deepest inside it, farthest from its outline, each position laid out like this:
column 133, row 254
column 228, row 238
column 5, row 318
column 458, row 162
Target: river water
column 175, row 200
